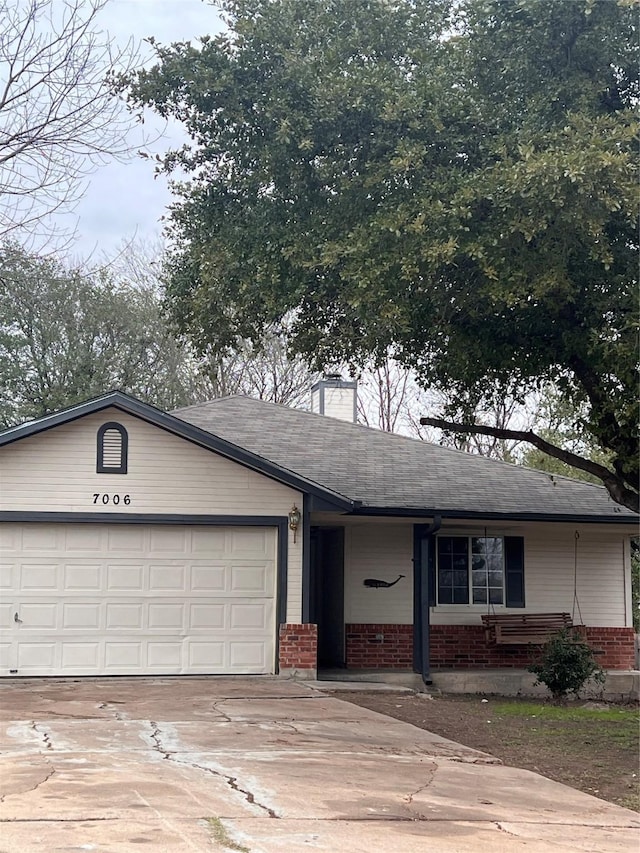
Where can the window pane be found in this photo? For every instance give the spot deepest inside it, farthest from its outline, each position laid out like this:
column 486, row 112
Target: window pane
column 479, row 578
column 460, row 578
column 479, row 595
column 460, row 545
column 460, row 561
column 477, row 545
column 444, row 544
column 445, row 595
column 495, row 579
column 495, row 595
column 445, row 578
column 460, row 595
column 494, row 563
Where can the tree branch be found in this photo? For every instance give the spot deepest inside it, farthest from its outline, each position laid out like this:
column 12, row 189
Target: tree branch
column 615, row 485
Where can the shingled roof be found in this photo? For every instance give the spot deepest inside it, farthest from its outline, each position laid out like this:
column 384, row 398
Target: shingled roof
column 394, row 474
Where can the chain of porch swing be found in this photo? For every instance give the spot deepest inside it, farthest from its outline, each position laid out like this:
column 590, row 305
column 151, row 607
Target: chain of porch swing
column 576, row 602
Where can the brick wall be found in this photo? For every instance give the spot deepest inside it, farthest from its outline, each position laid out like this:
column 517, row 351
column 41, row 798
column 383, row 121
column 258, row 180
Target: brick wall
column 379, row 646
column 617, row 645
column 465, row 647
column 298, row 649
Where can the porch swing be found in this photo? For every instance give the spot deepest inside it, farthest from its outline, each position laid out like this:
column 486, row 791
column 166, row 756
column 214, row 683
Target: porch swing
column 521, row 629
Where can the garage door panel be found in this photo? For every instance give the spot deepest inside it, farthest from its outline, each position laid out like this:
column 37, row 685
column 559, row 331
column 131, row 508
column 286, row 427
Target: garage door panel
column 170, row 541
column 125, row 540
column 252, row 542
column 10, row 538
column 168, row 577
column 208, row 578
column 164, row 656
column 124, row 616
column 209, row 542
column 87, row 540
column 207, row 617
column 206, row 656
column 7, row 661
column 166, row 617
column 81, row 655
column 35, row 577
column 81, row 614
column 244, row 653
column 7, row 609
column 123, row 657
column 82, row 578
column 38, row 616
column 126, row 577
column 6, row 576
column 37, row 656
column 248, row 579
column 41, row 538
column 206, row 604
column 247, row 617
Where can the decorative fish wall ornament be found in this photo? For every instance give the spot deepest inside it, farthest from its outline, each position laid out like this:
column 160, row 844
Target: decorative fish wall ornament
column 375, row 582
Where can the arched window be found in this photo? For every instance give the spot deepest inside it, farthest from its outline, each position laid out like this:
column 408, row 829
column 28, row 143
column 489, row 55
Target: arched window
column 112, row 449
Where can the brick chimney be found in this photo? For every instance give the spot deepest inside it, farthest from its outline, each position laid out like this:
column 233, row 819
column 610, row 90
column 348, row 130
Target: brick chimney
column 335, row 397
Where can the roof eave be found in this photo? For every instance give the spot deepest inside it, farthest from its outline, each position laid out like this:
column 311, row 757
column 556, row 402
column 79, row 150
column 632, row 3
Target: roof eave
column 430, row 512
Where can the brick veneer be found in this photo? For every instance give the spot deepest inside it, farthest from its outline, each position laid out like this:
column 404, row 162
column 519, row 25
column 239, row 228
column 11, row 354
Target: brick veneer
column 298, row 649
column 465, row 647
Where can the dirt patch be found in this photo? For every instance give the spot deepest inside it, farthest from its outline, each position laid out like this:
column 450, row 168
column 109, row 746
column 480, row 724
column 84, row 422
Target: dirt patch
column 590, row 746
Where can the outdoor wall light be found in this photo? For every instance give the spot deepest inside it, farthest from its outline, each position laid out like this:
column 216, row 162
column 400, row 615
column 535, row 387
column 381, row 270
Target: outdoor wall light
column 294, row 520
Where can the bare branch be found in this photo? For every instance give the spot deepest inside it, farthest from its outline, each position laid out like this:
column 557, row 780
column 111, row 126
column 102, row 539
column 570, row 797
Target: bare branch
column 616, row 487
column 58, row 116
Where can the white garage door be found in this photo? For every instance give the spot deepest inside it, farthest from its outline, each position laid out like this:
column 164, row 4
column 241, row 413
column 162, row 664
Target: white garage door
column 111, row 599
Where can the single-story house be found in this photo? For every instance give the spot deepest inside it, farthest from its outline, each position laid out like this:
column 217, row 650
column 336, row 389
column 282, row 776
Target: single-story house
column 239, row 536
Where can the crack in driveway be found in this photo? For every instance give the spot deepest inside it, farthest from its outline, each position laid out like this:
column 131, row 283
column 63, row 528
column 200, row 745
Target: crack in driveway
column 33, row 787
column 409, row 798
column 231, row 781
column 43, row 734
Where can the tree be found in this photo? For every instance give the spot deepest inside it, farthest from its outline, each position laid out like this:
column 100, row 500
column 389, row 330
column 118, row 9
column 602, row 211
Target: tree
column 58, row 118
column 455, row 180
column 265, row 370
column 67, row 335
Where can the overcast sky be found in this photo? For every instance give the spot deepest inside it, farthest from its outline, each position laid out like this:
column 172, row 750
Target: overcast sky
column 124, row 200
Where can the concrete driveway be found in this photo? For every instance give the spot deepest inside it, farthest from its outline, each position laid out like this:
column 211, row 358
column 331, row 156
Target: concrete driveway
column 260, row 764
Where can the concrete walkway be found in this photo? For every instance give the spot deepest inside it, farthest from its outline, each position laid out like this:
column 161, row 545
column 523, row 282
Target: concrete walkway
column 267, row 766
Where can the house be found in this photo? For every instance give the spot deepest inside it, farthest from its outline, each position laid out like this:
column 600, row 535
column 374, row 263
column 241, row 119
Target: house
column 239, row 536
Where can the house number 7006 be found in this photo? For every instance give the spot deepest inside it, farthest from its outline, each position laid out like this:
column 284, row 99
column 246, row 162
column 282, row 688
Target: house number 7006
column 98, row 497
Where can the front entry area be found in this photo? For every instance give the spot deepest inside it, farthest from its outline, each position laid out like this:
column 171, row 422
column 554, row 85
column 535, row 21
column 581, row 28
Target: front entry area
column 327, row 572
column 136, row 599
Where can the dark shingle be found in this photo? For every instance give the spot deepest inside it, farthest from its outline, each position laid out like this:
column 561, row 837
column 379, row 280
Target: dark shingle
column 383, row 470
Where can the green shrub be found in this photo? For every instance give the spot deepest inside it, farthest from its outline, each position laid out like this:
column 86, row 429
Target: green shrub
column 566, row 664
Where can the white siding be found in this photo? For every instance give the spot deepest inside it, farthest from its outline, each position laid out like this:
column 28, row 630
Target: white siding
column 55, row 471
column 380, row 549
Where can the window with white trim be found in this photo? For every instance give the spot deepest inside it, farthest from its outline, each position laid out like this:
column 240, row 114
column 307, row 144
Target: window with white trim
column 113, row 449
column 470, row 569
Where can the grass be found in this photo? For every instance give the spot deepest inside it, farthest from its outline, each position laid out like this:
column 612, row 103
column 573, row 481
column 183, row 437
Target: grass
column 566, row 712
column 223, row 838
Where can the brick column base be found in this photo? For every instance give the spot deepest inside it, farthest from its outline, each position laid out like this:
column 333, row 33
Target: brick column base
column 298, row 651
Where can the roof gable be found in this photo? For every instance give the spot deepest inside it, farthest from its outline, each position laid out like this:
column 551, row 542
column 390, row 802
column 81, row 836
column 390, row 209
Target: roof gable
column 182, row 429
